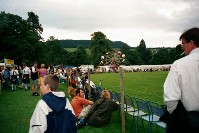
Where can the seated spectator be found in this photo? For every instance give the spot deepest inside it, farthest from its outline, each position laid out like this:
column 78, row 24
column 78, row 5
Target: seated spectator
column 79, row 102
column 100, row 113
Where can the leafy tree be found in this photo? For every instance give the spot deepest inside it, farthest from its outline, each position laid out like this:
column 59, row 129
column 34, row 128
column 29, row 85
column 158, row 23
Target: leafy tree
column 161, row 57
column 145, row 54
column 172, row 52
column 54, row 53
column 99, row 45
column 179, row 52
column 125, row 48
column 16, row 33
column 34, row 26
column 82, row 56
column 133, row 57
column 79, row 56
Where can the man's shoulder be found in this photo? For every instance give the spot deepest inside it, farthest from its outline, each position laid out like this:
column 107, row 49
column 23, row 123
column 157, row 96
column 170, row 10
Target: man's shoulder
column 41, row 103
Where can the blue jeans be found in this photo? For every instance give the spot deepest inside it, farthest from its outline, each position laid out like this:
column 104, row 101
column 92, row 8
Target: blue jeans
column 5, row 84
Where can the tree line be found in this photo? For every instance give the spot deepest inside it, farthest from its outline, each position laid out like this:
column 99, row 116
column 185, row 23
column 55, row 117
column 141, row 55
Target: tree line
column 21, row 40
column 68, row 43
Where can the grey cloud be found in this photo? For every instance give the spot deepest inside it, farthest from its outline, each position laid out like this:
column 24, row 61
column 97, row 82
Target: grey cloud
column 94, row 15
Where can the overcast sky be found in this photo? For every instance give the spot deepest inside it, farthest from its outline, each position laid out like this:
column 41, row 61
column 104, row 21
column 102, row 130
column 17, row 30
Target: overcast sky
column 158, row 22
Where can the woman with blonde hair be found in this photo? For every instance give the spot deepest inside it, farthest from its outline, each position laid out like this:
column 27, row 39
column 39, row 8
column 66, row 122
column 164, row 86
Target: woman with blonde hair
column 100, row 113
column 41, row 73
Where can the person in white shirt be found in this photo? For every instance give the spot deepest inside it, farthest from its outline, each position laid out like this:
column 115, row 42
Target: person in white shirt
column 182, row 82
column 26, row 76
column 14, row 75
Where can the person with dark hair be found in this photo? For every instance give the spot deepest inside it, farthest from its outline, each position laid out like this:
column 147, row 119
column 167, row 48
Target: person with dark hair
column 181, row 87
column 51, row 69
column 79, row 102
column 53, row 113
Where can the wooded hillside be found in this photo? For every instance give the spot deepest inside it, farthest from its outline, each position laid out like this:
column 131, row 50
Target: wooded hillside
column 85, row 43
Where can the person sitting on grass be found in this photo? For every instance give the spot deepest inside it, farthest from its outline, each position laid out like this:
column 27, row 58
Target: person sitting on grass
column 80, row 104
column 100, row 113
column 53, row 113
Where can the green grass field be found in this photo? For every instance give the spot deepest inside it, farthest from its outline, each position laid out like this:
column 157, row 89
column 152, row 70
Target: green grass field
column 16, row 107
column 73, row 49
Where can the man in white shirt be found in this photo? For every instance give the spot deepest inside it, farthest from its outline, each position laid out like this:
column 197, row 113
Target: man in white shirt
column 26, row 76
column 182, row 82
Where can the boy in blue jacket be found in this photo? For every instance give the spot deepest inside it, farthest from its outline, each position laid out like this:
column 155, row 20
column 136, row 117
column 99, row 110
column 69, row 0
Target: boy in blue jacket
column 53, row 113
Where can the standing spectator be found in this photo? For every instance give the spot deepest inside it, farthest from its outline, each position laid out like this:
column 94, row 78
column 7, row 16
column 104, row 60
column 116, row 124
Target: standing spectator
column 78, row 81
column 86, row 86
column 72, row 80
column 51, row 69
column 53, row 113
column 6, row 77
column 62, row 76
column 34, row 77
column 79, row 102
column 20, row 82
column 14, row 78
column 1, row 78
column 100, row 113
column 26, row 76
column 181, row 87
column 42, row 73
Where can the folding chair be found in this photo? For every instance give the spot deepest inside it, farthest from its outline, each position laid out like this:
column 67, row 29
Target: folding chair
column 130, row 108
column 157, row 110
column 98, row 91
column 115, row 97
column 143, row 112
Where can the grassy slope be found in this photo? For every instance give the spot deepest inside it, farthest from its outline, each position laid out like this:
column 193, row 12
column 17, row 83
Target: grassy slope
column 17, row 107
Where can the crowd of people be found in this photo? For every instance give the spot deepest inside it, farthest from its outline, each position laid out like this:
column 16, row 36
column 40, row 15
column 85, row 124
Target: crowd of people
column 72, row 114
column 15, row 77
column 55, row 113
